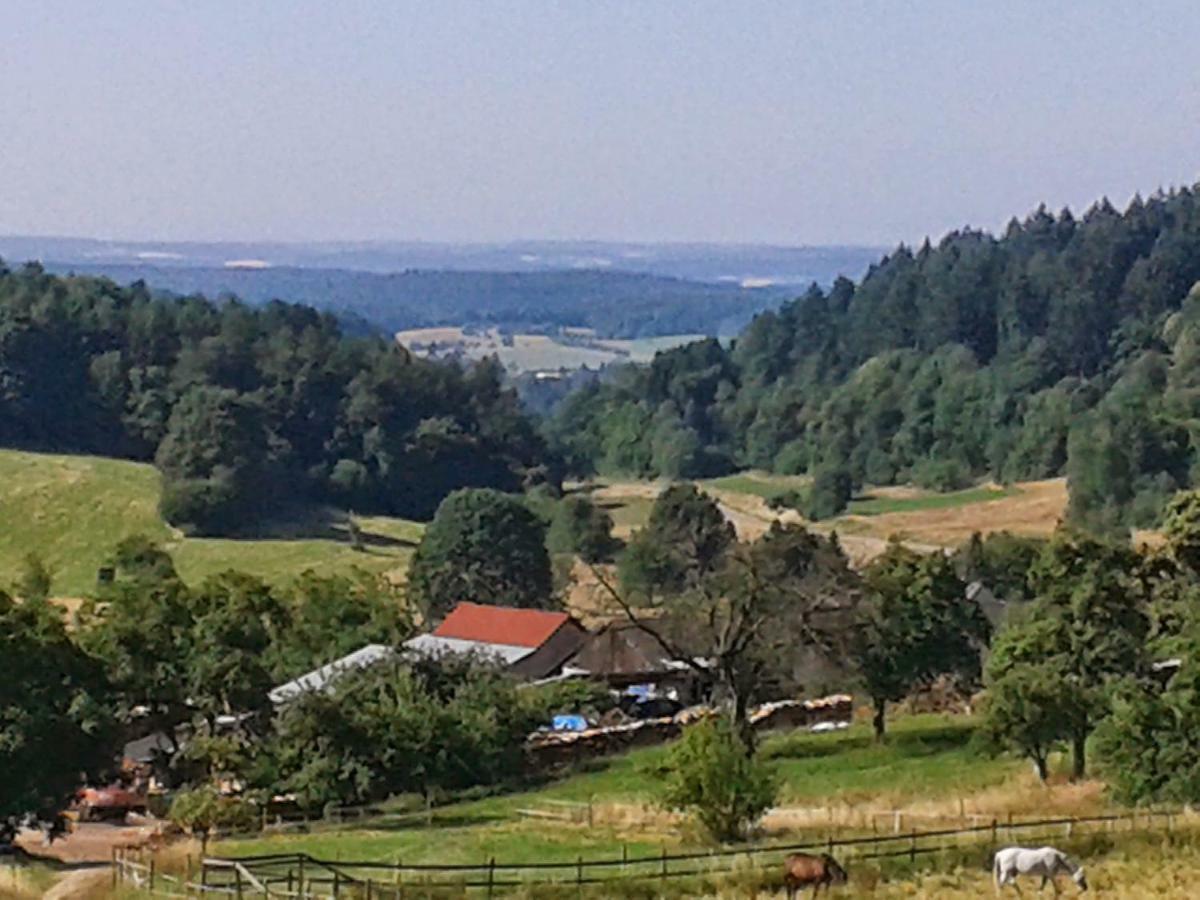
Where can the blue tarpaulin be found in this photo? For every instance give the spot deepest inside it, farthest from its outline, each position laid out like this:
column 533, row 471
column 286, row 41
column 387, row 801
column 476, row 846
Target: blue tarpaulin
column 570, row 723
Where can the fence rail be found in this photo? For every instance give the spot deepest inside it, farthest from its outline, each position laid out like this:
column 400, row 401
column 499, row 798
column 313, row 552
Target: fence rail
column 305, row 876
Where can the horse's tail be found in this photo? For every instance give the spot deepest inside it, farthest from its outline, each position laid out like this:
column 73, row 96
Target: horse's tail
column 996, row 871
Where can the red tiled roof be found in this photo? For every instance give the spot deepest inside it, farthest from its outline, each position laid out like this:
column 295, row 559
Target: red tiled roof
column 500, row 625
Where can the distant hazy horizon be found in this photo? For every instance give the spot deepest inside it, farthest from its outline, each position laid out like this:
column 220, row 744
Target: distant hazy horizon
column 813, row 124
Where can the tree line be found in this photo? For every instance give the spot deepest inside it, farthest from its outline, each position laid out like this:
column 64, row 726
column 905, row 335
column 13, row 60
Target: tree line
column 1064, row 346
column 245, row 410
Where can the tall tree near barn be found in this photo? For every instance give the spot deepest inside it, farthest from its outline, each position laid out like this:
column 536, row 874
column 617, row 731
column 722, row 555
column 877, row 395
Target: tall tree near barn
column 482, row 546
column 735, row 613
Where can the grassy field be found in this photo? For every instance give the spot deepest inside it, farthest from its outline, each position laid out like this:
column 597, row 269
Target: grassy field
column 927, row 771
column 871, row 503
column 756, row 484
column 72, row 510
column 839, row 784
column 926, row 760
column 875, row 504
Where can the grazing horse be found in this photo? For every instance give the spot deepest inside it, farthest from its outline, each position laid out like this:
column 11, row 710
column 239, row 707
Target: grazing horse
column 802, row 869
column 1045, row 861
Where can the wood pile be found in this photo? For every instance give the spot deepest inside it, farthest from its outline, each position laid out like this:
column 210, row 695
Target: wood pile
column 548, row 749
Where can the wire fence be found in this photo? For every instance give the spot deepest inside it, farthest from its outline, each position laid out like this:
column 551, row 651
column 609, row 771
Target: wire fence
column 304, row 876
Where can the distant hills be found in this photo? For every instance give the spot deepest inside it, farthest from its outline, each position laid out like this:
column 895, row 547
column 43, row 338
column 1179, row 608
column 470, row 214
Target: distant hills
column 621, row 290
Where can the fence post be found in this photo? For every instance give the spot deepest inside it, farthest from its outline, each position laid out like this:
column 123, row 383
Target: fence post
column 579, row 874
column 591, row 799
column 152, row 873
column 897, row 820
column 114, row 868
column 336, row 884
column 203, row 876
column 912, row 846
column 491, row 876
column 300, row 877
column 624, row 857
column 993, row 831
column 664, row 862
column 237, row 872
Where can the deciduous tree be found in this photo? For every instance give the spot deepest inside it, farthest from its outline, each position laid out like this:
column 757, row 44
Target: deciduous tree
column 482, row 546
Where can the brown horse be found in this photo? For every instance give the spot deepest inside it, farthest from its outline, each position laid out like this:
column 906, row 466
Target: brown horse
column 802, row 869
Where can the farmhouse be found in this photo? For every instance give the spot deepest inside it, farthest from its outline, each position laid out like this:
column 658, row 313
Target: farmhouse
column 625, row 657
column 532, row 643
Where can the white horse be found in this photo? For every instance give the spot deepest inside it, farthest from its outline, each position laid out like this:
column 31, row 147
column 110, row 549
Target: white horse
column 1045, row 861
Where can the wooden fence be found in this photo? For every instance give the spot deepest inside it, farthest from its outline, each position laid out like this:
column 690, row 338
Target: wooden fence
column 304, row 876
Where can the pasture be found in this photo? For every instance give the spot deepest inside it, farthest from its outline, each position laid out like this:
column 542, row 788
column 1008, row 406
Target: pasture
column 71, row 510
column 830, row 783
column 837, row 784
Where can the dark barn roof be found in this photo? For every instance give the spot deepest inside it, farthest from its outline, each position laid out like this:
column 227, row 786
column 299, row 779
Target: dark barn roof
column 623, row 649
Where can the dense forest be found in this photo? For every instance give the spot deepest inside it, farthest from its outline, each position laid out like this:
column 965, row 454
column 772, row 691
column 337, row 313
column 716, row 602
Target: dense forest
column 614, row 304
column 1066, row 345
column 246, row 409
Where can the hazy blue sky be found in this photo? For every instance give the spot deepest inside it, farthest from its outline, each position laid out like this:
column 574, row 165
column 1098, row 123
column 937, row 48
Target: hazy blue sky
column 791, row 122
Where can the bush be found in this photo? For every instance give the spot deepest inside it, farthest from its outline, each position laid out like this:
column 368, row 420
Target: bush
column 202, row 506
column 205, row 809
column 830, row 494
column 941, row 475
column 1149, row 747
column 712, row 774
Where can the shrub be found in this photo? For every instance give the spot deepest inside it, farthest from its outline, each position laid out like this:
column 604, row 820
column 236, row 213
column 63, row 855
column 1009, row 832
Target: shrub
column 941, row 475
column 205, row 809
column 830, row 493
column 712, row 774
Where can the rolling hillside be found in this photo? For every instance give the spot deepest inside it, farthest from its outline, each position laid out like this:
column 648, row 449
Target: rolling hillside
column 925, row 520
column 71, row 510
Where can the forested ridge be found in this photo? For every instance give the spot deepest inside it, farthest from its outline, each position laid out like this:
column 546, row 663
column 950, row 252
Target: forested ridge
column 615, row 304
column 1066, row 345
column 245, row 410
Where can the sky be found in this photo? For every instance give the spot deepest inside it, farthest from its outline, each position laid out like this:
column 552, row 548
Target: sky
column 802, row 122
